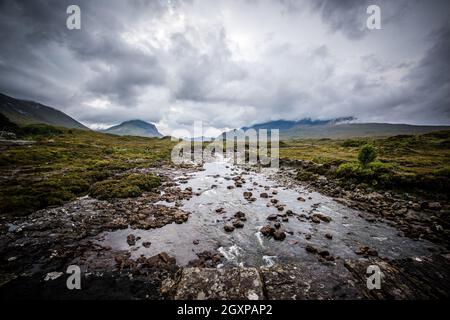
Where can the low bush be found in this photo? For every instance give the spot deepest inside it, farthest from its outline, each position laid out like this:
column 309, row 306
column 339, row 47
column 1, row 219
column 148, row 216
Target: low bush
column 130, row 186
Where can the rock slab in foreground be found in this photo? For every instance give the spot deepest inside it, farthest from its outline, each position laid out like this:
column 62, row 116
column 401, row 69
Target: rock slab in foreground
column 216, row 284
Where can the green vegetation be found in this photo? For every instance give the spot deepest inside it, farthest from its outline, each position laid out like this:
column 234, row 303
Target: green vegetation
column 407, row 162
column 63, row 164
column 367, row 154
column 128, row 186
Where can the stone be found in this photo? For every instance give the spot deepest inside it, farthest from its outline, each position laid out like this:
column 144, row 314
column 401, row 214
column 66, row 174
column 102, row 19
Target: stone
column 301, row 199
column 240, row 215
column 238, row 224
column 328, row 236
column 264, row 195
column 309, row 248
column 322, row 217
column 228, row 228
column 267, row 230
column 324, row 253
column 272, row 217
column 215, row 284
column 279, row 235
column 435, row 206
column 146, row 244
column 131, row 240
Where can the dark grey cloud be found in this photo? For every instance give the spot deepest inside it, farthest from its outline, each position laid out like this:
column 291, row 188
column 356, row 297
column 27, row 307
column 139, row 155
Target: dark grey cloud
column 226, row 63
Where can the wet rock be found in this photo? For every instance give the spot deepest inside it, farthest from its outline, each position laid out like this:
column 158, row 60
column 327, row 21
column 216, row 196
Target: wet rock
column 285, row 219
column 206, row 259
column 280, row 208
column 240, row 215
column 366, row 251
column 264, row 195
column 289, row 212
column 277, row 225
column 267, row 230
column 220, row 210
column 435, row 206
column 322, row 217
column 274, row 201
column 315, row 219
column 279, row 235
column 238, row 224
column 309, row 248
column 196, row 242
column 228, row 228
column 329, row 236
column 230, row 187
column 272, row 217
column 146, row 244
column 216, row 284
column 324, row 253
column 247, row 195
column 308, row 236
column 301, row 199
column 131, row 239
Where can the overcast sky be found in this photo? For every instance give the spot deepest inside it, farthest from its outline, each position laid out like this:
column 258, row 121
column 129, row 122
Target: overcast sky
column 229, row 63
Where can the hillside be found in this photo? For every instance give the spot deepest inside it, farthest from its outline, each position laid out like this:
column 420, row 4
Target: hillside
column 28, row 112
column 340, row 128
column 135, row 128
column 347, row 130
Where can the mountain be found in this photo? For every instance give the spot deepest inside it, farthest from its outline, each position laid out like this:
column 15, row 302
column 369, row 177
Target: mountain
column 340, row 128
column 347, row 130
column 29, row 112
column 135, row 128
column 286, row 124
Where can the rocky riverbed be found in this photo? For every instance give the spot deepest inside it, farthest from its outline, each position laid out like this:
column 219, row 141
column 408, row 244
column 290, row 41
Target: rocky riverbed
column 221, row 231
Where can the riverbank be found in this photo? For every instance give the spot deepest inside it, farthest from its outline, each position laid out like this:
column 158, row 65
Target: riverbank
column 173, row 241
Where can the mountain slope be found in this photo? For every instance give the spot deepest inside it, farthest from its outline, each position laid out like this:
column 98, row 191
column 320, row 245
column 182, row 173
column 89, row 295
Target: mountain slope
column 29, row 112
column 347, row 130
column 287, row 124
column 135, row 128
column 339, row 128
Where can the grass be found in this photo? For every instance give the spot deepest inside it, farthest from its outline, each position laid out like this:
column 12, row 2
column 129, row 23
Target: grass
column 414, row 162
column 66, row 163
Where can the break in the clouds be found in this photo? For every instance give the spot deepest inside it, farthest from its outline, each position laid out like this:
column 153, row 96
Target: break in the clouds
column 229, row 63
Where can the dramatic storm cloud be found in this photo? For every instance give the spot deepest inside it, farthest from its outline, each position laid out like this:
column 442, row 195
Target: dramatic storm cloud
column 229, row 63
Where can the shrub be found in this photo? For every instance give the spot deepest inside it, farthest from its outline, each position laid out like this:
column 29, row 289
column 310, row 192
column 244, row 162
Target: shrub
column 40, row 130
column 354, row 143
column 129, row 186
column 367, row 154
column 349, row 170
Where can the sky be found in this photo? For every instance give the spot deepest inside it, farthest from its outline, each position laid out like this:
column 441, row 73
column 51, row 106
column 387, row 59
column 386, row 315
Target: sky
column 229, row 63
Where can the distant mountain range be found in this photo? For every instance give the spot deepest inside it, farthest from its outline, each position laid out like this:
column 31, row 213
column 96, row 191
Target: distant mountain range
column 24, row 112
column 29, row 112
column 135, row 128
column 286, row 124
column 340, row 128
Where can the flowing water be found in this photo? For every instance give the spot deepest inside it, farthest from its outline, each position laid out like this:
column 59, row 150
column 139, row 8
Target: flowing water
column 247, row 246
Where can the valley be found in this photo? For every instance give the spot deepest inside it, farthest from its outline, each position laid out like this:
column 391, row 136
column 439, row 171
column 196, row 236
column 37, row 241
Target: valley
column 140, row 227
